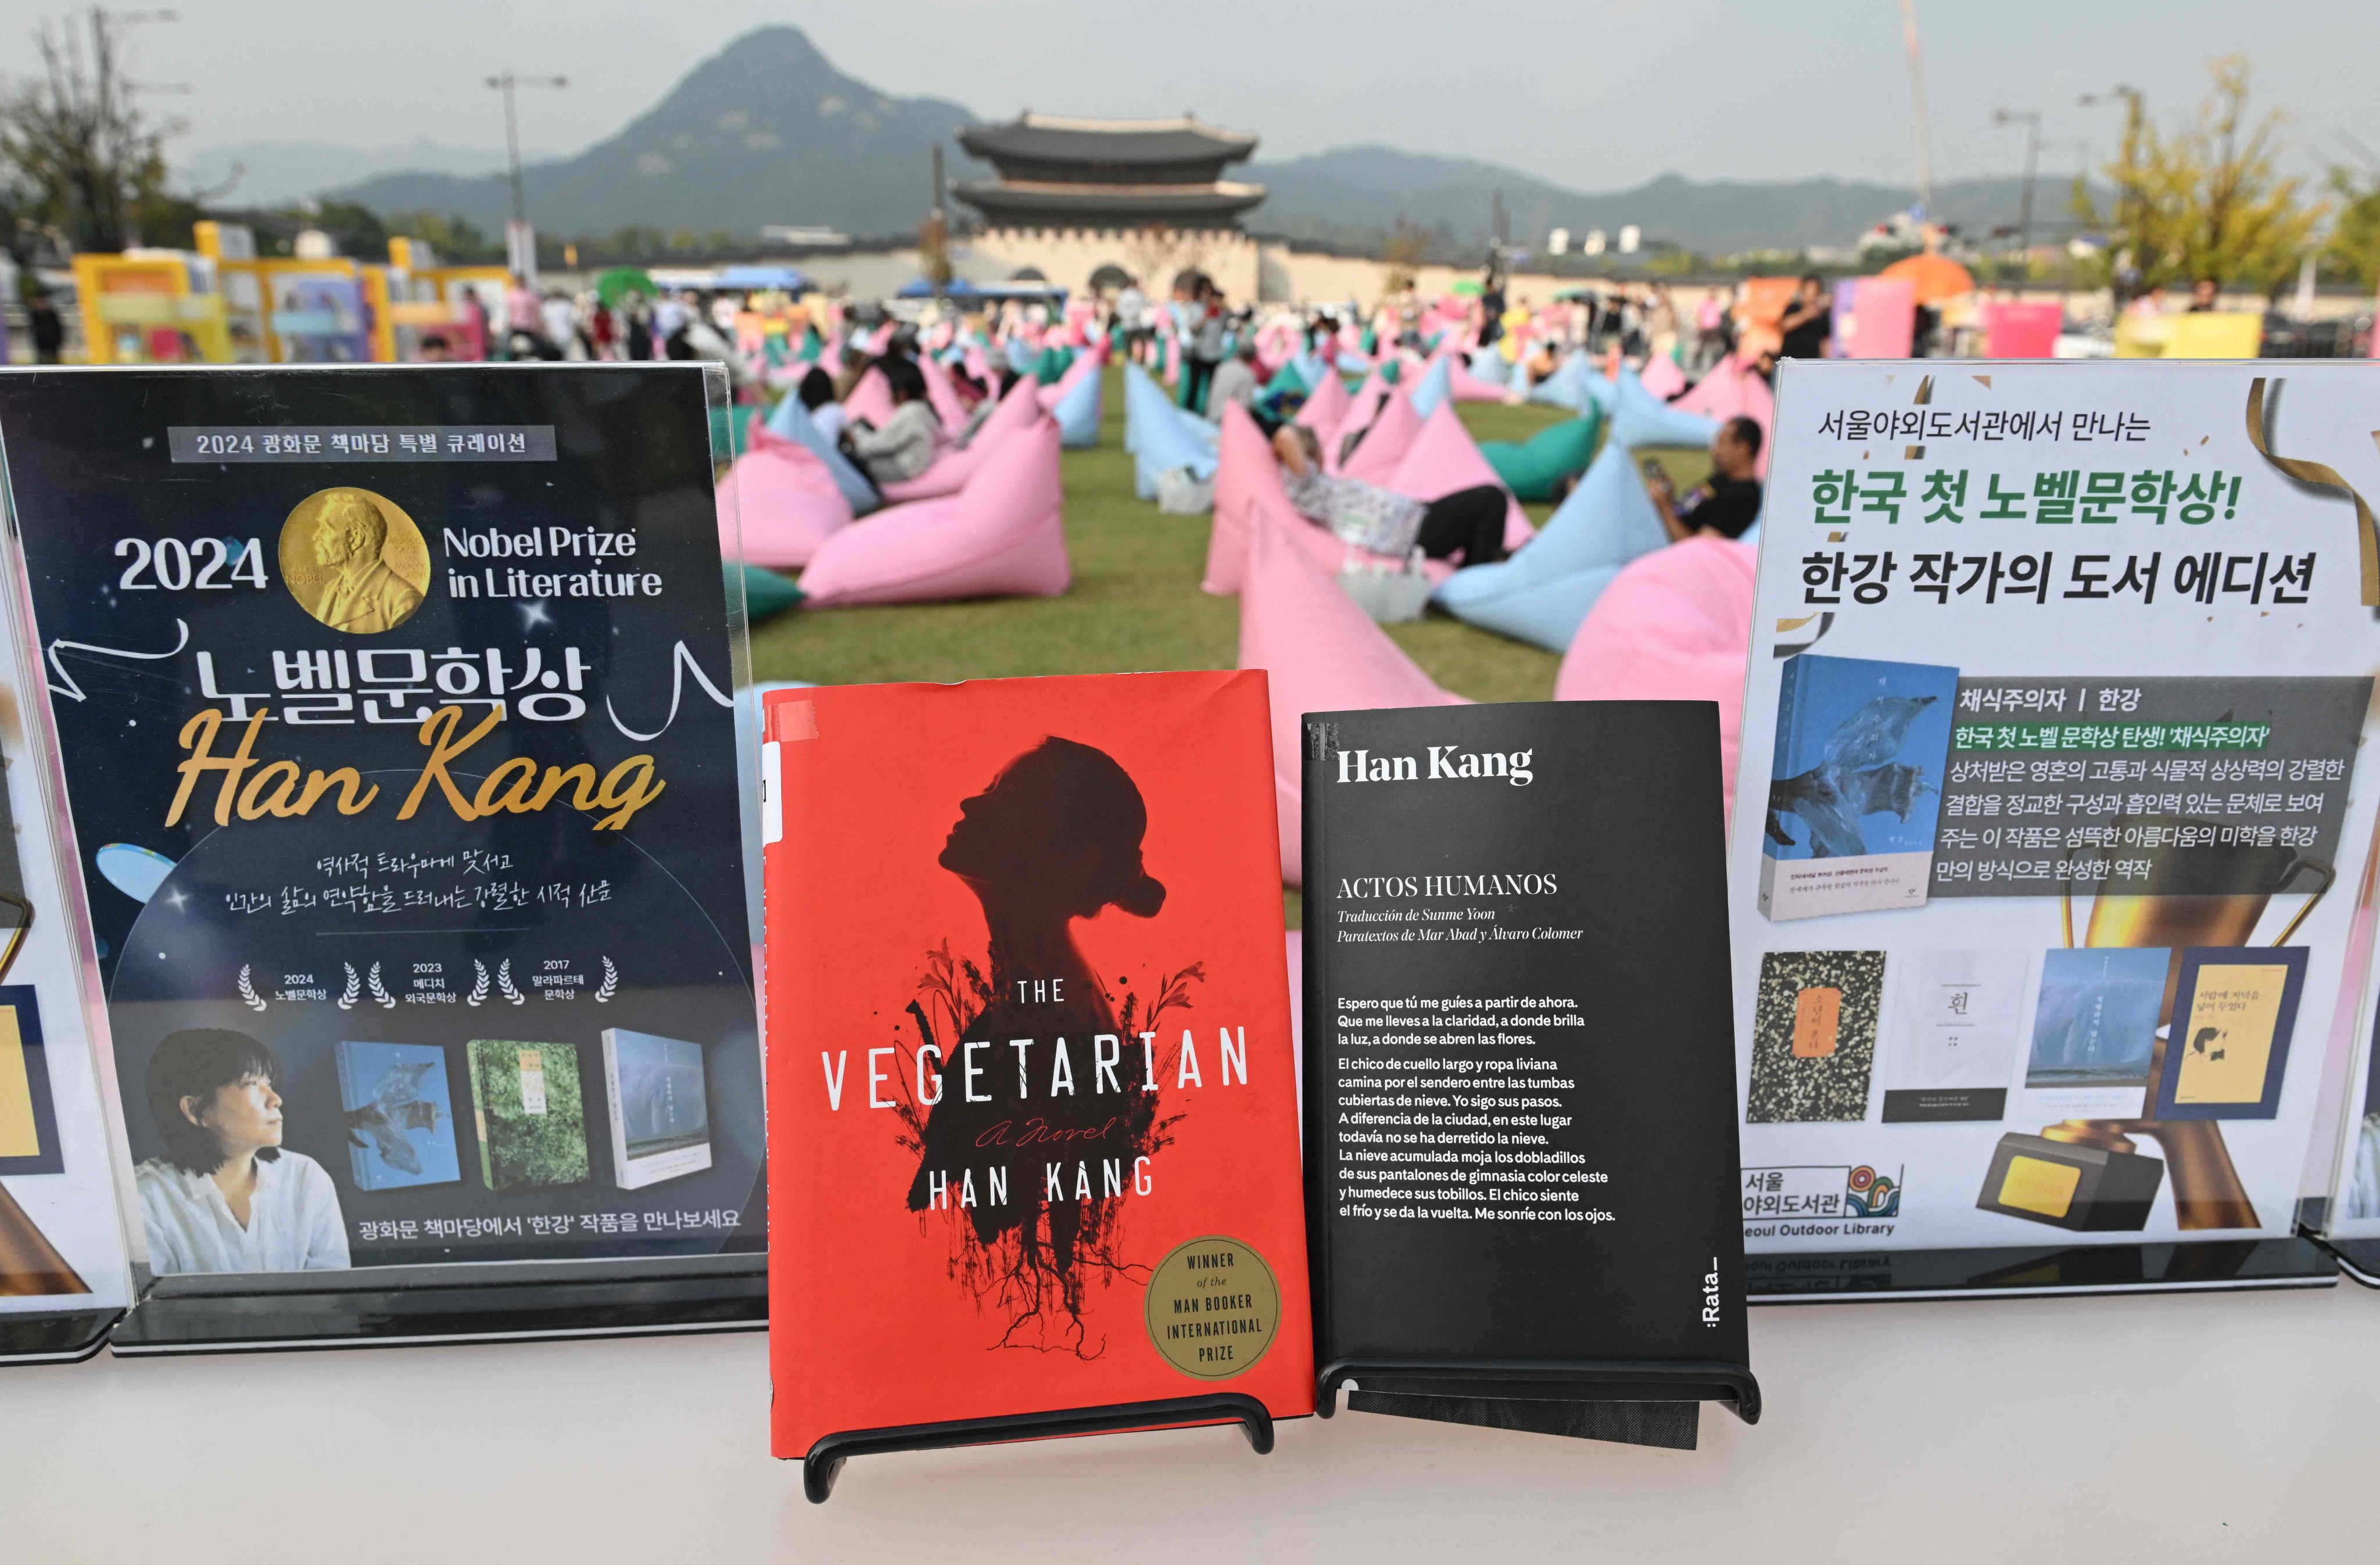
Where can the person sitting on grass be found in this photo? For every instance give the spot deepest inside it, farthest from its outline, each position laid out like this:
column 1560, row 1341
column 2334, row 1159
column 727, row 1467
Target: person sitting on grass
column 1722, row 505
column 1470, row 522
column 905, row 446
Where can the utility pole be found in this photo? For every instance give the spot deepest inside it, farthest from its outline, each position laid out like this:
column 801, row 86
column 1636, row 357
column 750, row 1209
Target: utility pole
column 1917, row 97
column 520, row 239
column 2030, row 118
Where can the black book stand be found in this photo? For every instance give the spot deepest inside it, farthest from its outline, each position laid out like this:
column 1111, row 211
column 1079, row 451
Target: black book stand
column 826, row 1458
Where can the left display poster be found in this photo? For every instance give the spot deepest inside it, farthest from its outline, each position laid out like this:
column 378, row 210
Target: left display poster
column 395, row 715
column 63, row 1277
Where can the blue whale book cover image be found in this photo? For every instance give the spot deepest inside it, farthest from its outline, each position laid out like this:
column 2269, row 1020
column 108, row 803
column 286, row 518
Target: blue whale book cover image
column 399, row 1113
column 1856, row 790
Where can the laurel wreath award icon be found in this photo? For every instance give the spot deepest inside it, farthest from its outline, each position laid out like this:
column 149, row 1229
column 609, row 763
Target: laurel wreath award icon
column 611, row 983
column 478, row 983
column 386, row 1001
column 353, row 991
column 247, row 995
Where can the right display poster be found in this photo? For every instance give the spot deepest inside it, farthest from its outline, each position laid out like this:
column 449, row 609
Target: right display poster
column 2051, row 846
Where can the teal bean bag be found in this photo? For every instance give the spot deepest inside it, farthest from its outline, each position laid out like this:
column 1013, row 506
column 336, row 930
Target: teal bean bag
column 765, row 594
column 731, row 431
column 1290, row 377
column 1532, row 469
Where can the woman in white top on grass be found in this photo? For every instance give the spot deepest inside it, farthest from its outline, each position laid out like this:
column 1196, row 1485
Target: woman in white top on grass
column 226, row 1196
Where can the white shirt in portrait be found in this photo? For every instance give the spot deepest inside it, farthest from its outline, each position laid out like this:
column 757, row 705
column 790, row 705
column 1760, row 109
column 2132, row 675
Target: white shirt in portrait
column 293, row 1222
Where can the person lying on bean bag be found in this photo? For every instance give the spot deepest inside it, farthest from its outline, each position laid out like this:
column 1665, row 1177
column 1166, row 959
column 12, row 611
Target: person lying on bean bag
column 1469, row 522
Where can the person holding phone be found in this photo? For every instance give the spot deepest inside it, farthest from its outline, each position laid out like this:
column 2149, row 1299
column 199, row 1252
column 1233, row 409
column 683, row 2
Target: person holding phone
column 1722, row 505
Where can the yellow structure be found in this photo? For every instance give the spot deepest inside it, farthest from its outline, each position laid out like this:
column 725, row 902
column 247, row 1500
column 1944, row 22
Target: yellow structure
column 2201, row 335
column 150, row 307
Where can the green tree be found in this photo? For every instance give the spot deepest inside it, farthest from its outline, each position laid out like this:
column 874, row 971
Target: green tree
column 79, row 157
column 2204, row 200
column 2354, row 245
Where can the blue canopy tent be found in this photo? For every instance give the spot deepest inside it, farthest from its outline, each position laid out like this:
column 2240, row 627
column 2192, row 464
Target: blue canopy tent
column 784, row 279
column 960, row 289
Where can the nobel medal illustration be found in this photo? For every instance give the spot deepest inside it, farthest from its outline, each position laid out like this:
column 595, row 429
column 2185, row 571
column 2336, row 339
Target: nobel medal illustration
column 355, row 561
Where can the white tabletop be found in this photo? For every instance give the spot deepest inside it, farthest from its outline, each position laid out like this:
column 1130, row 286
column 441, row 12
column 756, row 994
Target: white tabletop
column 2157, row 1427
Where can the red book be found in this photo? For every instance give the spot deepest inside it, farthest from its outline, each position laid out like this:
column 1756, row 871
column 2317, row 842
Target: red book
column 1032, row 1105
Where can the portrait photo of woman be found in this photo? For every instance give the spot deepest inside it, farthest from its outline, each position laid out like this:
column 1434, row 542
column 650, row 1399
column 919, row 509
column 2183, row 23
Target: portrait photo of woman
column 225, row 1195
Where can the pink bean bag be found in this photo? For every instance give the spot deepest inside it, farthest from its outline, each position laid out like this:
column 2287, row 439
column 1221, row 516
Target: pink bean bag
column 1244, row 466
column 1731, row 390
column 1465, row 386
column 1002, row 535
column 1662, row 377
column 1327, row 405
column 786, row 501
column 1362, row 409
column 871, row 399
column 1247, row 483
column 953, row 469
column 1391, row 435
column 1673, row 625
column 942, row 395
column 1322, row 654
column 1443, row 459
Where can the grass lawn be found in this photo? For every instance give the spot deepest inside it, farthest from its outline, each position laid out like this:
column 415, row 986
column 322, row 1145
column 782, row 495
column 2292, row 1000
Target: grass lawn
column 1135, row 605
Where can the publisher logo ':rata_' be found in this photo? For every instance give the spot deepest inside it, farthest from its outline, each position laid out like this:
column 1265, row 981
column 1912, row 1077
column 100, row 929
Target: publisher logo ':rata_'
column 1445, row 761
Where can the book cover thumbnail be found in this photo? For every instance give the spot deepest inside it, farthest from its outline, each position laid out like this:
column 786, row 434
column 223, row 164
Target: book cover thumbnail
column 1032, row 1110
column 1856, row 790
column 399, row 1114
column 660, row 1111
column 528, row 1109
column 1952, row 1045
column 1814, row 1027
column 2234, row 1009
column 2095, row 1022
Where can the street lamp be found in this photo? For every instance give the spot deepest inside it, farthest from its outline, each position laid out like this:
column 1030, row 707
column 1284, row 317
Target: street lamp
column 520, row 239
column 2030, row 120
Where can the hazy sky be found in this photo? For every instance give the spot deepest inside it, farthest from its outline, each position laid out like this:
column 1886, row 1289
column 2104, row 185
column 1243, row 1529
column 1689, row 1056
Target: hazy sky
column 1595, row 93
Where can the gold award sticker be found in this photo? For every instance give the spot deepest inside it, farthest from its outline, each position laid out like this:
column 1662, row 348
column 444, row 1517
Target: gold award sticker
column 1213, row 1308
column 354, row 560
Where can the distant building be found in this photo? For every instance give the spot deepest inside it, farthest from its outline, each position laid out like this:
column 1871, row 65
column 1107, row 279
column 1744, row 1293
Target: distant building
column 1076, row 197
column 1108, row 174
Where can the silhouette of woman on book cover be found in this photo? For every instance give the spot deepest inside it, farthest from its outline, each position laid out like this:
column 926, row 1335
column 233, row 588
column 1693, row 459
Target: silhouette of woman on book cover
column 1054, row 838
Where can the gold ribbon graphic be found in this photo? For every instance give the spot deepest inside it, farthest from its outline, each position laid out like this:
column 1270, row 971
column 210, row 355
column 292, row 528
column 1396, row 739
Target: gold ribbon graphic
column 2367, row 531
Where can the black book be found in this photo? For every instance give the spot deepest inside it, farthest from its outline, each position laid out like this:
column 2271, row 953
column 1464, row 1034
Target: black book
column 1520, row 1067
